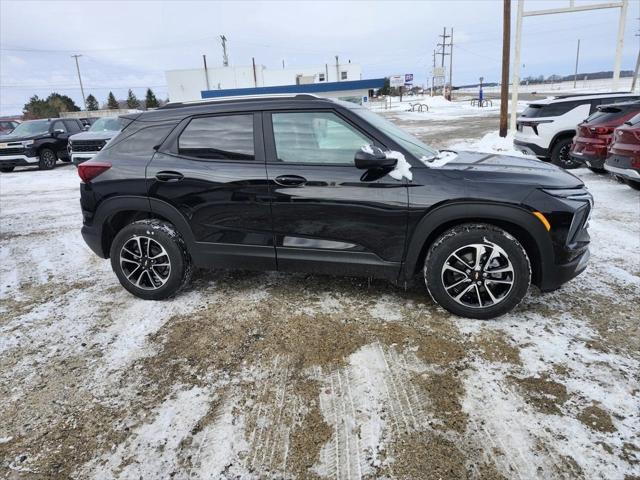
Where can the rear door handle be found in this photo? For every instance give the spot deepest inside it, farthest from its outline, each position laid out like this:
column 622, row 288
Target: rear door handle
column 290, row 180
column 169, row 176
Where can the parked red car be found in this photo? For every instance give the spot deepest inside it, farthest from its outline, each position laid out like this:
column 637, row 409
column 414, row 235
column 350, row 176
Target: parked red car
column 624, row 154
column 594, row 135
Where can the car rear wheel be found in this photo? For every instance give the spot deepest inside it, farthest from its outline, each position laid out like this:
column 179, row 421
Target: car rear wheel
column 560, row 155
column 6, row 169
column 477, row 271
column 48, row 159
column 150, row 259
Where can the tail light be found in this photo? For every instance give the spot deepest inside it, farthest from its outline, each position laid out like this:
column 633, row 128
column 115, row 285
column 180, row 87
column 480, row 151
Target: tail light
column 602, row 130
column 89, row 170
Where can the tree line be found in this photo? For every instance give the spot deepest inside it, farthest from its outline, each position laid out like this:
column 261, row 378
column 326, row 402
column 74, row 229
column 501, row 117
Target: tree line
column 55, row 103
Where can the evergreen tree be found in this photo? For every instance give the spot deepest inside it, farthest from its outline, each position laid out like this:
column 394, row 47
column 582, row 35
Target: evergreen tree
column 150, row 100
column 112, row 103
column 49, row 107
column 92, row 103
column 132, row 101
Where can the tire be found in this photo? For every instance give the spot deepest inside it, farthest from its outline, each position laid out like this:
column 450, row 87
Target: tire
column 6, row 169
column 155, row 282
column 597, row 170
column 507, row 286
column 635, row 184
column 48, row 159
column 560, row 155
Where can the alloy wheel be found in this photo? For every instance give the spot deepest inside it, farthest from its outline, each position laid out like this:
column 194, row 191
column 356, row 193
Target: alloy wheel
column 145, row 263
column 565, row 158
column 478, row 275
column 49, row 158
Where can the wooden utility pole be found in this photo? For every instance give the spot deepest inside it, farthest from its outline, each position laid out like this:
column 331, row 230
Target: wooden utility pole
column 225, row 57
column 451, row 66
column 635, row 73
column 255, row 78
column 206, row 71
column 84, row 99
column 504, row 87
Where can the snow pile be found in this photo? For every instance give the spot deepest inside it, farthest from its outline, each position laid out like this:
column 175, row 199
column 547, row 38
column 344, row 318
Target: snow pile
column 491, row 143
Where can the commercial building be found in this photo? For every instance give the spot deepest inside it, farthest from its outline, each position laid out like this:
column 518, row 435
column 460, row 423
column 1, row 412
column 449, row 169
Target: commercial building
column 335, row 80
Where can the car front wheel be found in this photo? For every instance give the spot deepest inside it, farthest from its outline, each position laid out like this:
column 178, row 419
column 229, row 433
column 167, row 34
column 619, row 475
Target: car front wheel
column 477, row 271
column 48, row 159
column 150, row 259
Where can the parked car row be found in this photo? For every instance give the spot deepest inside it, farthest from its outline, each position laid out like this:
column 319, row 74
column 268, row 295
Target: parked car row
column 546, row 127
column 43, row 142
column 606, row 138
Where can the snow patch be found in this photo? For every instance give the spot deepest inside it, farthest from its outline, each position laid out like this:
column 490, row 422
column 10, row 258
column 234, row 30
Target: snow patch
column 402, row 168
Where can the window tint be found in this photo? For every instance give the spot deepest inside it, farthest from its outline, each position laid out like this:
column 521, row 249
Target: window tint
column 72, row 126
column 225, row 137
column 58, row 125
column 552, row 109
column 315, row 137
column 139, row 142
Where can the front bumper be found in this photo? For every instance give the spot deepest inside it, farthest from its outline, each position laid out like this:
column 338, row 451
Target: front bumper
column 17, row 160
column 591, row 161
column 560, row 274
column 530, row 149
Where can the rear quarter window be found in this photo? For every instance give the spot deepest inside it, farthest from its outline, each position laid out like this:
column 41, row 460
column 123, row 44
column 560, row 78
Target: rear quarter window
column 139, row 140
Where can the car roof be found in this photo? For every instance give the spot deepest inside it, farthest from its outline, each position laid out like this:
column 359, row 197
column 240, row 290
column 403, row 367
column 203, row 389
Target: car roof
column 246, row 103
column 581, row 96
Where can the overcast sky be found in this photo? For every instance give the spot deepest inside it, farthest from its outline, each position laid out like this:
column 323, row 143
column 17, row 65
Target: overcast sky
column 129, row 44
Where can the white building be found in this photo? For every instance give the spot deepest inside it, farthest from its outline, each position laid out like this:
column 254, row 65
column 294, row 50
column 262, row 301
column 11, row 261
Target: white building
column 187, row 85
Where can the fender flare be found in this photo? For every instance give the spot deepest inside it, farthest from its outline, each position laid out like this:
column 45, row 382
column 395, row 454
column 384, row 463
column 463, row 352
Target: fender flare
column 123, row 203
column 440, row 218
column 557, row 136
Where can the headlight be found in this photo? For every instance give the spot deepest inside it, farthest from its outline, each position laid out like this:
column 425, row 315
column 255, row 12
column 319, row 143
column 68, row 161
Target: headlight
column 27, row 143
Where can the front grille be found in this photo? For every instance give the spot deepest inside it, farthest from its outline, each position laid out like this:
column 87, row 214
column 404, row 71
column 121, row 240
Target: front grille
column 87, row 145
column 12, row 151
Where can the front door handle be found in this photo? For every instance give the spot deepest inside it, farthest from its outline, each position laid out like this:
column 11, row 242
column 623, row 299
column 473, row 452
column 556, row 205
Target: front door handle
column 290, row 180
column 167, row 176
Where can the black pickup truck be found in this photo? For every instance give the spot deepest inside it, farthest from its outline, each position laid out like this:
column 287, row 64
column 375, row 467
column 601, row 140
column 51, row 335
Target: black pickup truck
column 37, row 142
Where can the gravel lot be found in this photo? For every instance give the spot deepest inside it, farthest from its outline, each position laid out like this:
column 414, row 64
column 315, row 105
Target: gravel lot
column 269, row 375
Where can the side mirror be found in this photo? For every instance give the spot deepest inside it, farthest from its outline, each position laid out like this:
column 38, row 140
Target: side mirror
column 58, row 131
column 86, row 127
column 370, row 157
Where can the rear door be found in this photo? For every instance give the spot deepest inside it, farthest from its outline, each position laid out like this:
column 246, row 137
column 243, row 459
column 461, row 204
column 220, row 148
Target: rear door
column 212, row 170
column 329, row 216
column 60, row 139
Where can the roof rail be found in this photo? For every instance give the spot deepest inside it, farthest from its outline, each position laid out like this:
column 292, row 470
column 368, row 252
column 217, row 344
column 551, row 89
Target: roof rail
column 264, row 96
column 569, row 95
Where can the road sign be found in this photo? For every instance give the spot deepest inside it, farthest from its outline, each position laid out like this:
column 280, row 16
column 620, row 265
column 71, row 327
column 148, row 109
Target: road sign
column 396, row 80
column 438, row 71
column 408, row 78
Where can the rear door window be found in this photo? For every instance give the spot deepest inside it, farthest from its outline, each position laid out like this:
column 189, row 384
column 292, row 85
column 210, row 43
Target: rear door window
column 221, row 137
column 72, row 126
column 59, row 125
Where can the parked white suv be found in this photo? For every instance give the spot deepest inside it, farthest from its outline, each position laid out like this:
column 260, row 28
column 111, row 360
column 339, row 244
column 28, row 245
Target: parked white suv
column 546, row 127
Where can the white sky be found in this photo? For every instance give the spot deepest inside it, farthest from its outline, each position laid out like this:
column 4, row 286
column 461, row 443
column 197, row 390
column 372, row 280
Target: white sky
column 129, row 44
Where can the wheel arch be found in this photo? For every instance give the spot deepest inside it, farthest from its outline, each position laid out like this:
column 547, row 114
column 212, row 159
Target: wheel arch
column 115, row 213
column 560, row 136
column 520, row 223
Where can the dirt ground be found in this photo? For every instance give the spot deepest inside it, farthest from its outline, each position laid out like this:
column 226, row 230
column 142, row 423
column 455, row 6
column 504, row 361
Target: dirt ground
column 272, row 375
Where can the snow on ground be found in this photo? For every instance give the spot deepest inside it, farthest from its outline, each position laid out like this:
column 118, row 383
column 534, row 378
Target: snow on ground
column 272, row 375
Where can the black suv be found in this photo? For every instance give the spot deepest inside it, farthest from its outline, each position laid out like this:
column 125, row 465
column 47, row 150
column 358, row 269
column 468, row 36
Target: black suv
column 37, row 142
column 302, row 183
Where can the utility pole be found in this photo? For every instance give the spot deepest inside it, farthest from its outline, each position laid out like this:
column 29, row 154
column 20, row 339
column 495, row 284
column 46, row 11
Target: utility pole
column 444, row 44
column 84, row 100
column 451, row 66
column 506, row 48
column 635, row 70
column 255, row 78
column 433, row 72
column 337, row 70
column 206, row 71
column 225, row 57
column 575, row 72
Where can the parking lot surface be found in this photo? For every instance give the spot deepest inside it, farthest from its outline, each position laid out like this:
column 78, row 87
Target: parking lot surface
column 273, row 375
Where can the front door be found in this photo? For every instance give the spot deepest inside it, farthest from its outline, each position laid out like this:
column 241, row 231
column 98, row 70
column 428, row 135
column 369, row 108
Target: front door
column 329, row 216
column 212, row 170
column 61, row 138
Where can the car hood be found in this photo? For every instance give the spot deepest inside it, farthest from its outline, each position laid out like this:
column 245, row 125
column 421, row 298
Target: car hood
column 20, row 138
column 104, row 135
column 477, row 166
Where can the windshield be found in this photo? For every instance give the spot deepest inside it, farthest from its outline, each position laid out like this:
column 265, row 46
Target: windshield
column 408, row 141
column 107, row 124
column 31, row 128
